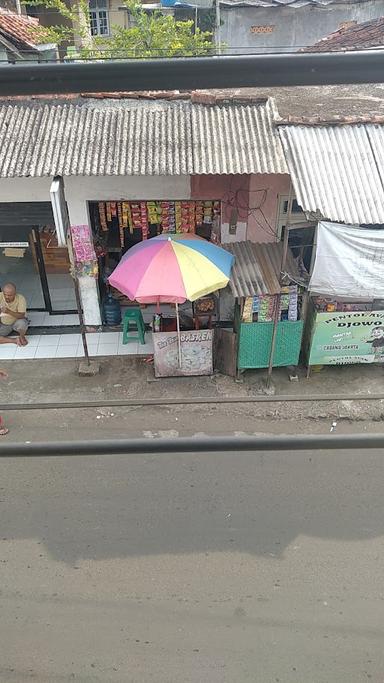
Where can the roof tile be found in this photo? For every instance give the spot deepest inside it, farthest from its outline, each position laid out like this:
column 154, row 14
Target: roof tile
column 19, row 28
column 369, row 34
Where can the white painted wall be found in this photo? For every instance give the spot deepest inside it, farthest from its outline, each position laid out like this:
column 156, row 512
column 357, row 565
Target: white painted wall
column 128, row 187
column 25, row 189
column 79, row 191
column 82, row 189
column 239, row 236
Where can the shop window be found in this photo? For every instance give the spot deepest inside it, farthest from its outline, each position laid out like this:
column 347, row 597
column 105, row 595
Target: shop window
column 119, row 225
column 99, row 20
column 297, row 214
column 122, row 224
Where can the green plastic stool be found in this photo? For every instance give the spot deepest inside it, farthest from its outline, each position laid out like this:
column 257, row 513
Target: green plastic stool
column 133, row 316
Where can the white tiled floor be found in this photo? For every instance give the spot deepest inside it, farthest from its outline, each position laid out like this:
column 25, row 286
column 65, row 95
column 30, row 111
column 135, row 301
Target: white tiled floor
column 71, row 346
column 42, row 319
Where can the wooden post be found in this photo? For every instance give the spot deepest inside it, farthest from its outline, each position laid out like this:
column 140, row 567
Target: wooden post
column 78, row 298
column 278, row 296
column 178, row 332
column 276, row 317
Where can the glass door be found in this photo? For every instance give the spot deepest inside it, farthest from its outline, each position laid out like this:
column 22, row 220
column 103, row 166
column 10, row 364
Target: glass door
column 31, row 259
column 55, row 272
column 20, row 263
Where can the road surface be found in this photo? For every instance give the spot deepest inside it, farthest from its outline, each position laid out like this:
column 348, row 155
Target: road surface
column 190, row 568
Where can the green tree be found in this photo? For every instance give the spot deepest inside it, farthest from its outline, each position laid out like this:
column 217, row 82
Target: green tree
column 149, row 35
column 75, row 19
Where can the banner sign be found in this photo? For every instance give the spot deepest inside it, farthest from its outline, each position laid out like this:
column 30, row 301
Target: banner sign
column 349, row 261
column 196, row 353
column 345, row 338
column 14, row 244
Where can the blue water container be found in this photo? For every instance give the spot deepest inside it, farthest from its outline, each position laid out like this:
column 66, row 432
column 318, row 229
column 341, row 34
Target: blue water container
column 112, row 311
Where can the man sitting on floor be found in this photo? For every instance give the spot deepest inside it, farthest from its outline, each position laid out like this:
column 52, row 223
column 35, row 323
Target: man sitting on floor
column 13, row 309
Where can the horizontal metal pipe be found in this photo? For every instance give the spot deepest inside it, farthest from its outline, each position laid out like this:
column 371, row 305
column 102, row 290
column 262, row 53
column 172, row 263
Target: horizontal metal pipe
column 192, row 445
column 219, row 400
column 183, row 73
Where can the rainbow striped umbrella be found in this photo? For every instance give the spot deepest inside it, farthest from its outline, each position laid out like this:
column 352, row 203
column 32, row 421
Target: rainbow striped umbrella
column 171, row 269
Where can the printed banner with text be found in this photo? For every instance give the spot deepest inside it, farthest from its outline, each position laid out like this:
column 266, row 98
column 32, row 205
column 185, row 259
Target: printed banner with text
column 344, row 338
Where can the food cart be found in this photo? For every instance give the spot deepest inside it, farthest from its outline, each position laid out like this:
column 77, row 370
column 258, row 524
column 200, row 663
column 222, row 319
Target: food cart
column 173, row 269
column 189, row 352
column 194, row 347
column 261, row 303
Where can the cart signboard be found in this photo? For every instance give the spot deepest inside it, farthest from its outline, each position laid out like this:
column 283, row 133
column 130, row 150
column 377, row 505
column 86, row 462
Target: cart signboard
column 196, row 353
column 346, row 338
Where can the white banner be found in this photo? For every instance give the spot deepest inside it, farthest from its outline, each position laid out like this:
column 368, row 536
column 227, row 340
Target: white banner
column 349, row 262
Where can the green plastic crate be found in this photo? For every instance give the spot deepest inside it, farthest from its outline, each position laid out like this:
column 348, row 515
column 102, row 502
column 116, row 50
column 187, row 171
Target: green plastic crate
column 255, row 344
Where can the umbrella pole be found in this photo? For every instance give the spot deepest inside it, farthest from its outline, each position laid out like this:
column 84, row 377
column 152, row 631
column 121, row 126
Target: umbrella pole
column 178, row 332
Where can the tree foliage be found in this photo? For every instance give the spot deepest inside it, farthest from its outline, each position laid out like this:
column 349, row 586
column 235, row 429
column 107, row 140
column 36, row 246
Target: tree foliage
column 150, row 34
column 73, row 18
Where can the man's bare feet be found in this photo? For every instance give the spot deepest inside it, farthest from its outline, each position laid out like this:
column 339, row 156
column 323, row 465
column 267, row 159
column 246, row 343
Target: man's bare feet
column 23, row 341
column 3, row 431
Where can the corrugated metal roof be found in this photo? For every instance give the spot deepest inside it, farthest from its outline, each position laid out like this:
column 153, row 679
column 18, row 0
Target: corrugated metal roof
column 296, row 4
column 257, row 268
column 137, row 137
column 337, row 171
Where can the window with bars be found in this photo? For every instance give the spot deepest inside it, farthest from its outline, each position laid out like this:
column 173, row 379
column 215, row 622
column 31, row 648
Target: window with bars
column 99, row 21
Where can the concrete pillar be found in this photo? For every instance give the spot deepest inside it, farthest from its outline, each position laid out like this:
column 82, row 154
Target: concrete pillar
column 89, row 292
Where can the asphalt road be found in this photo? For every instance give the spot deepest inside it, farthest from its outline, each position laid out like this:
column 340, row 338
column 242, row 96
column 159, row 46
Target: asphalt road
column 193, row 568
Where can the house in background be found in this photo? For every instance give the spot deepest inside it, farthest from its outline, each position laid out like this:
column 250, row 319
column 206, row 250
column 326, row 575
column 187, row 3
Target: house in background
column 104, row 15
column 365, row 36
column 249, row 26
column 18, row 39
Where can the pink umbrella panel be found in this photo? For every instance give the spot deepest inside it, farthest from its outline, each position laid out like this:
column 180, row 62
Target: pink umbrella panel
column 172, row 269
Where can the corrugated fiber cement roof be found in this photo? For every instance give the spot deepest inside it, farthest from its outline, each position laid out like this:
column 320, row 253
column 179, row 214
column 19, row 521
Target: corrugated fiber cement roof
column 129, row 137
column 337, row 171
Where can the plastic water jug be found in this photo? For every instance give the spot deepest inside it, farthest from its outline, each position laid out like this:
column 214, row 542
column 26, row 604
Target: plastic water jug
column 112, row 311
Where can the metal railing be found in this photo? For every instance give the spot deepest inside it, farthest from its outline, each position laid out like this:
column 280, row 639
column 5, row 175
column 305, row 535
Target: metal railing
column 222, row 444
column 181, row 73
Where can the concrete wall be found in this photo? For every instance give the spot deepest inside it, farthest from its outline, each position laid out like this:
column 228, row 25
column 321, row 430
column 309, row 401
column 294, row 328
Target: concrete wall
column 117, row 17
column 292, row 28
column 255, row 199
column 233, row 191
column 264, row 191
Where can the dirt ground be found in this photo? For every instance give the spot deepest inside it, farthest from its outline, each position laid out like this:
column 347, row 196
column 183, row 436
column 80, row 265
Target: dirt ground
column 120, row 377
column 45, row 381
